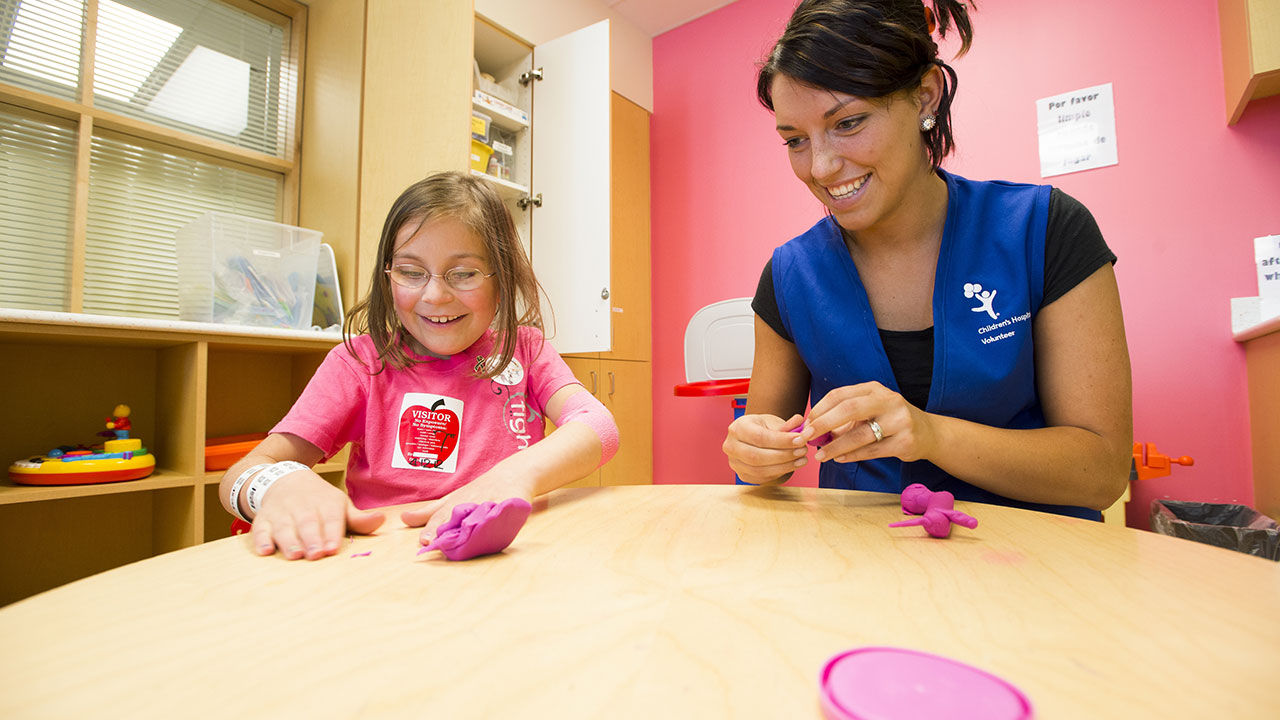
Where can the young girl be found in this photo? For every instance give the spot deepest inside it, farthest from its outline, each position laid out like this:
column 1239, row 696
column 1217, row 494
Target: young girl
column 442, row 400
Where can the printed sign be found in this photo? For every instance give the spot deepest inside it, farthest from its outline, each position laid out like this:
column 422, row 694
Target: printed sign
column 1077, row 131
column 1266, row 251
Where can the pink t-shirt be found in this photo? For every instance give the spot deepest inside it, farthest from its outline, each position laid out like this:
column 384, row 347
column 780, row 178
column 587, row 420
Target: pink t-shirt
column 423, row 432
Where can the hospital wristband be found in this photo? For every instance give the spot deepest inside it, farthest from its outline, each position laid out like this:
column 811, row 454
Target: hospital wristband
column 266, row 479
column 235, row 490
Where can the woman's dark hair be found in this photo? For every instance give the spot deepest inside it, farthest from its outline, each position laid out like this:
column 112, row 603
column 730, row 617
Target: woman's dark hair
column 473, row 202
column 870, row 49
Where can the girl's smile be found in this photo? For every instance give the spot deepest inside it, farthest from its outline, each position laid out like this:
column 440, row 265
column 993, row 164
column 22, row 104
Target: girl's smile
column 441, row 320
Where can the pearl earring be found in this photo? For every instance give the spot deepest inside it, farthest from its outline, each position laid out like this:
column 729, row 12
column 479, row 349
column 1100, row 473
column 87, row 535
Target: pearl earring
column 928, row 123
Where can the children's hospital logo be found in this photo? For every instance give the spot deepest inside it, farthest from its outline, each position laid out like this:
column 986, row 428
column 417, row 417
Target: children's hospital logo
column 985, row 298
column 996, row 331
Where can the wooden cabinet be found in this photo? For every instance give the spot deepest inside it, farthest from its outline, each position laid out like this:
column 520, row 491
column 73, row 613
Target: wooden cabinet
column 388, row 103
column 63, row 373
column 386, row 136
column 625, row 387
column 1262, row 360
column 622, row 378
column 1250, row 51
column 559, row 185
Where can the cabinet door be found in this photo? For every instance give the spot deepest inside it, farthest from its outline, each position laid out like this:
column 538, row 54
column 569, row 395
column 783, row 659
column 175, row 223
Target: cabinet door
column 626, row 388
column 570, row 233
column 587, row 370
column 630, row 293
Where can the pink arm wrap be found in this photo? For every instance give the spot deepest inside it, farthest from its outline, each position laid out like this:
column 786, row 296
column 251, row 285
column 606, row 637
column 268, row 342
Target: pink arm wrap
column 583, row 407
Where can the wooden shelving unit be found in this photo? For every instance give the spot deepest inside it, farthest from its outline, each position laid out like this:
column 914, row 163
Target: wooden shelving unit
column 64, row 372
column 1250, row 32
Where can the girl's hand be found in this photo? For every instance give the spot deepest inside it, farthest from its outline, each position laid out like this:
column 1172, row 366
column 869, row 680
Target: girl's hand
column 304, row 516
column 489, row 487
column 762, row 448
column 847, row 412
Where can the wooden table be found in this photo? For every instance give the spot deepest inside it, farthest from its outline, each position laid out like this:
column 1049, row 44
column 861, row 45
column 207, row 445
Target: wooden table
column 656, row 601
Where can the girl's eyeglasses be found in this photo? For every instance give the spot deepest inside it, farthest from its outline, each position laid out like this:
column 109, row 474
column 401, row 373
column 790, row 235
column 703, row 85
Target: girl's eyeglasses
column 461, row 279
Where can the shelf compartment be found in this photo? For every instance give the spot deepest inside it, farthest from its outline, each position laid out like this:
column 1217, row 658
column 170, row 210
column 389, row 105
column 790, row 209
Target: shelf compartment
column 503, row 114
column 11, row 492
column 507, row 189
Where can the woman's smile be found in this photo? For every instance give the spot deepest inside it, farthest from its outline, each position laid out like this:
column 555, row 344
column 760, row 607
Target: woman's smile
column 848, row 190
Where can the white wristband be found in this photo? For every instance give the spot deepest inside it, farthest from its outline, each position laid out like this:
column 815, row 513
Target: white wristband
column 266, row 479
column 235, row 490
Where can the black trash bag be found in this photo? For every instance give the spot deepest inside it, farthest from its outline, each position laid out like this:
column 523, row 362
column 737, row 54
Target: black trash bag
column 1235, row 527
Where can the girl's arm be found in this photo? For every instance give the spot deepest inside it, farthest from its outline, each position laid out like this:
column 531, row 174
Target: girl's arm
column 758, row 444
column 1082, row 372
column 579, row 445
column 301, row 514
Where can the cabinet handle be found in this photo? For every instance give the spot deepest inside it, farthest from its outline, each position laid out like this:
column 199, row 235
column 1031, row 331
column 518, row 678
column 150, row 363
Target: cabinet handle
column 593, row 382
column 611, row 384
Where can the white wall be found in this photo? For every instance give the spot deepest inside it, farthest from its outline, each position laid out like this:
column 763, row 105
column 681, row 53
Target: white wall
column 630, row 48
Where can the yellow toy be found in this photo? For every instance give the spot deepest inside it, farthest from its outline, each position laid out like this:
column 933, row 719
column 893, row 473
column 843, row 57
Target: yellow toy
column 122, row 458
column 118, row 423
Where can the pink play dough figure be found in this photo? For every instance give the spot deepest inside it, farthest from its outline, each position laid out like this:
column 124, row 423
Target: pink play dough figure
column 936, row 510
column 818, row 441
column 482, row 529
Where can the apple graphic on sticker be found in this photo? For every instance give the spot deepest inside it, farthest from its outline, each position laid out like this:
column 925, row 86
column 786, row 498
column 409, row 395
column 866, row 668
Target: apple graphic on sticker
column 428, row 436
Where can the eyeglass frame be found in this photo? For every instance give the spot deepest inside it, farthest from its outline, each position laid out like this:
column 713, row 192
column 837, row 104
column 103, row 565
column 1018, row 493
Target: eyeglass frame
column 443, row 276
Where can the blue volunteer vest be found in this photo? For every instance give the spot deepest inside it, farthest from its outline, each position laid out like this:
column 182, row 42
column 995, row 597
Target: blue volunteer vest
column 988, row 288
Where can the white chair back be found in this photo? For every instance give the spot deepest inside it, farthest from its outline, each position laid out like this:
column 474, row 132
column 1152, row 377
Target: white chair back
column 720, row 341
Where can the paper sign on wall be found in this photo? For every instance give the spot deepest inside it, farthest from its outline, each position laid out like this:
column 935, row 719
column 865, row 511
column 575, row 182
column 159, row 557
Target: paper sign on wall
column 1266, row 251
column 1077, row 131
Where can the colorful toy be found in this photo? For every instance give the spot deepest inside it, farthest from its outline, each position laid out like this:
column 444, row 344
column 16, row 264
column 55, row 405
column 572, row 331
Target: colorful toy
column 118, row 424
column 936, row 511
column 1151, row 463
column 482, row 529
column 118, row 459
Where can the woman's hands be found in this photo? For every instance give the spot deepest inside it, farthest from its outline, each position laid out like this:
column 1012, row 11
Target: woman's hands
column 494, row 486
column 906, row 432
column 304, row 516
column 763, row 448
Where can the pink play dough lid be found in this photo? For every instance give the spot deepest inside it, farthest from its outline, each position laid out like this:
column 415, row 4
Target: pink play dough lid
column 884, row 683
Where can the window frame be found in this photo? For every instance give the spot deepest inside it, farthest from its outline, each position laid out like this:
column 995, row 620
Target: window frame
column 87, row 117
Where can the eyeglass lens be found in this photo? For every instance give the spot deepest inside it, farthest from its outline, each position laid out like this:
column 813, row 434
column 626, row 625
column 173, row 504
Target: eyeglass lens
column 415, row 278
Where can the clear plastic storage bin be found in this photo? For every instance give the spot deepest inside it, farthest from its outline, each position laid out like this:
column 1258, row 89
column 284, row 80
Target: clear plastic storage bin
column 242, row 271
column 502, row 162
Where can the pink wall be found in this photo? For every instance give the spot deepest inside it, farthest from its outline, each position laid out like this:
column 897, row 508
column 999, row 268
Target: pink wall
column 1180, row 210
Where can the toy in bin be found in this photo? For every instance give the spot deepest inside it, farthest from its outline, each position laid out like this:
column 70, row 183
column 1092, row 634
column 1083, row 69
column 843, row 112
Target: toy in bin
column 119, row 458
column 221, row 453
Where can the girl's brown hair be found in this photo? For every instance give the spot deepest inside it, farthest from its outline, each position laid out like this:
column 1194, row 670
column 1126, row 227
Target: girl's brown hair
column 871, row 49
column 473, row 202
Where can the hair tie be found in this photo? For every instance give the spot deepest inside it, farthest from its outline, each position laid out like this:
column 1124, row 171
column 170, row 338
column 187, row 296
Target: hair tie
column 929, row 19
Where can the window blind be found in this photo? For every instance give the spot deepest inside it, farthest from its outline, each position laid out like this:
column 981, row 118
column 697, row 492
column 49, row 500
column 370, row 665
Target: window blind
column 195, row 65
column 37, row 171
column 211, row 70
column 40, row 44
column 139, row 196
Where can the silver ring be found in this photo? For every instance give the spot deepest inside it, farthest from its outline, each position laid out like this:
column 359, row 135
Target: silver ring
column 875, row 430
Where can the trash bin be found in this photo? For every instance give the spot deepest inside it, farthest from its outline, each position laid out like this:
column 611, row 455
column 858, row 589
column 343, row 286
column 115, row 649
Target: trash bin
column 1235, row 527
